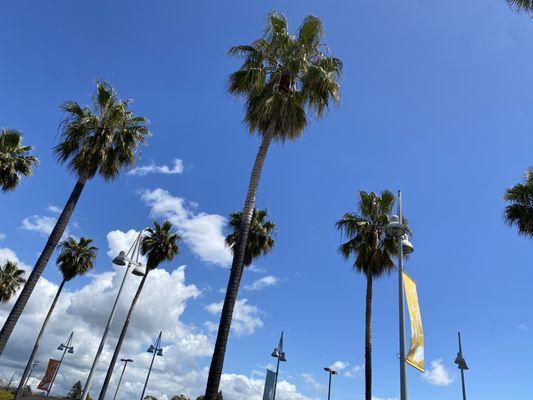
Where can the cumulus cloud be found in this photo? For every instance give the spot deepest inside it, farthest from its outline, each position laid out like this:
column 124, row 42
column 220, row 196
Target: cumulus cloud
column 245, row 317
column 39, row 223
column 437, row 374
column 53, row 209
column 312, row 384
column 339, row 365
column 202, row 232
column 176, row 168
column 262, row 283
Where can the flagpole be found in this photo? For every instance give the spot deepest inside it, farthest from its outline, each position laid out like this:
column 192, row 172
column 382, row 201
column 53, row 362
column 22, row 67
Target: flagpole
column 403, row 374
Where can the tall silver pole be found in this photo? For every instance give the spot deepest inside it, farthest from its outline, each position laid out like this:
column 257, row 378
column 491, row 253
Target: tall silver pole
column 329, row 386
column 276, row 381
column 403, row 374
column 104, row 336
column 66, row 347
column 462, row 371
column 120, row 380
column 158, row 343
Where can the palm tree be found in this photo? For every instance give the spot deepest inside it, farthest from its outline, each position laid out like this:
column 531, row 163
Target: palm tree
column 283, row 78
column 373, row 251
column 160, row 244
column 11, row 279
column 521, row 5
column 260, row 240
column 520, row 212
column 15, row 159
column 76, row 258
column 101, row 141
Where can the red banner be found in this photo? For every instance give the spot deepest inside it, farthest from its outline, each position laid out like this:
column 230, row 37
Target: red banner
column 49, row 375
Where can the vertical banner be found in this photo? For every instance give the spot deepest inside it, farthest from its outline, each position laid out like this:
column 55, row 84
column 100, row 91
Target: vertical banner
column 48, row 375
column 268, row 393
column 415, row 356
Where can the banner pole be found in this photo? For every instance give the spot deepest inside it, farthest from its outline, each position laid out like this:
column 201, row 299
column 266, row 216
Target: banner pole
column 403, row 375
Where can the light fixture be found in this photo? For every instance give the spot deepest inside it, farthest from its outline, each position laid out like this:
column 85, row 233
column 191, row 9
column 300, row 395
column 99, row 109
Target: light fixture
column 275, row 353
column 120, row 259
column 160, row 352
column 461, row 362
column 407, row 246
column 71, row 350
column 150, row 349
column 139, row 270
column 60, row 347
column 282, row 357
column 395, row 228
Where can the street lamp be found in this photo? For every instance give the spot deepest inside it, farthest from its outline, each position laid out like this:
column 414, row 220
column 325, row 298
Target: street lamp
column 65, row 348
column 125, row 361
column 129, row 259
column 29, row 375
column 330, row 372
column 461, row 364
column 397, row 230
column 156, row 350
column 279, row 354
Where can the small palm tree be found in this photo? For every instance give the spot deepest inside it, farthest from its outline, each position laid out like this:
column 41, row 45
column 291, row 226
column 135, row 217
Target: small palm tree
column 160, row 244
column 11, row 279
column 519, row 212
column 76, row 258
column 99, row 141
column 373, row 251
column 521, row 5
column 15, row 159
column 283, row 78
column 260, row 236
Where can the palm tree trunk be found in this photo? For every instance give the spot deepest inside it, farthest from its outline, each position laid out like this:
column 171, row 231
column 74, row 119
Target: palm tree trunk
column 27, row 370
column 368, row 340
column 121, row 338
column 49, row 248
column 237, row 266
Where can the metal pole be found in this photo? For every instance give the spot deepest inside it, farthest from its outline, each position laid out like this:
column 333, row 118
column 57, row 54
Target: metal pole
column 276, row 381
column 403, row 375
column 462, row 372
column 66, row 347
column 29, row 375
column 106, row 332
column 11, row 380
column 158, row 342
column 120, row 380
column 329, row 386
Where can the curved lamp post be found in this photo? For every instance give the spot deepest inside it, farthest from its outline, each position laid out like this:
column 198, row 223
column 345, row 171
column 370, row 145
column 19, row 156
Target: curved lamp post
column 397, row 230
column 65, row 348
column 330, row 372
column 279, row 354
column 129, row 259
column 156, row 350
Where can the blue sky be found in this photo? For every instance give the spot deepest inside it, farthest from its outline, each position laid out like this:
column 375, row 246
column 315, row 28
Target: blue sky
column 436, row 100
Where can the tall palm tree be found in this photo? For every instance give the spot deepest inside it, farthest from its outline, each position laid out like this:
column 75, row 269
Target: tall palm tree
column 283, row 78
column 260, row 236
column 521, row 5
column 99, row 141
column 11, row 279
column 373, row 251
column 15, row 159
column 160, row 244
column 519, row 212
column 76, row 258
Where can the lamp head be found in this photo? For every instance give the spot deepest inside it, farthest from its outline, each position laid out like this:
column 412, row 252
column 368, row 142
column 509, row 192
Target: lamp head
column 139, row 270
column 333, row 372
column 120, row 259
column 160, row 352
column 71, row 350
column 327, row 369
column 395, row 228
column 282, row 357
column 461, row 362
column 275, row 353
column 150, row 349
column 61, row 347
column 407, row 246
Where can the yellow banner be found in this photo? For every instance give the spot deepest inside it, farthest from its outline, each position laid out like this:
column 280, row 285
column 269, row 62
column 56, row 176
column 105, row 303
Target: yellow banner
column 415, row 356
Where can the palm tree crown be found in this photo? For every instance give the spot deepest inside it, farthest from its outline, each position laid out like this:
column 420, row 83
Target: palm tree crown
column 519, row 212
column 102, row 140
column 282, row 75
column 160, row 244
column 260, row 237
column 76, row 257
column 11, row 278
column 521, row 5
column 15, row 159
column 366, row 234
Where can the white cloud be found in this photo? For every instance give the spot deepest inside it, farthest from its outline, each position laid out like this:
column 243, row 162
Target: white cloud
column 356, row 370
column 176, row 168
column 53, row 209
column 339, row 365
column 202, row 232
column 39, row 223
column 165, row 299
column 245, row 317
column 437, row 374
column 312, row 384
column 262, row 283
